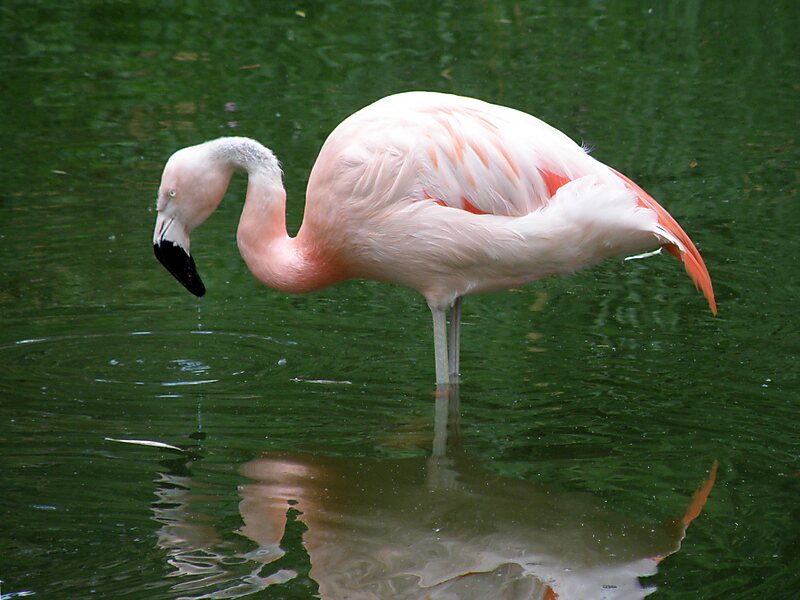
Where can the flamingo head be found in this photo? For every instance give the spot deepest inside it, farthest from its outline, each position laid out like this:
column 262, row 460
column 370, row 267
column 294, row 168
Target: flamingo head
column 192, row 186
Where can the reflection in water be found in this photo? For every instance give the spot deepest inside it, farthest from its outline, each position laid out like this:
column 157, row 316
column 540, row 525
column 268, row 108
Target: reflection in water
column 436, row 527
column 203, row 564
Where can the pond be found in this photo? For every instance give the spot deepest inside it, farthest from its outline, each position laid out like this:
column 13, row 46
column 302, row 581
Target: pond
column 610, row 437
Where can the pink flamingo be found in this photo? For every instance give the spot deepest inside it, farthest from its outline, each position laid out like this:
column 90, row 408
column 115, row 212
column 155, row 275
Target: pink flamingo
column 447, row 195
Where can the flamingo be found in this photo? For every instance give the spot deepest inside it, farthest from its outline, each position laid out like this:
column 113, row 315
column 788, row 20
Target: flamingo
column 444, row 194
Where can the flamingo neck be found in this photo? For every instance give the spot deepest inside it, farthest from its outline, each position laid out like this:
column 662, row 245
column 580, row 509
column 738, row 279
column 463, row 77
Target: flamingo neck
column 288, row 264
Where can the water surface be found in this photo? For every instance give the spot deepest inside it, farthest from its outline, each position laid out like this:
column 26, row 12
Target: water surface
column 592, row 408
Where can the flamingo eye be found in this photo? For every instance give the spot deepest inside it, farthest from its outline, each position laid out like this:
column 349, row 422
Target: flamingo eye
column 172, row 193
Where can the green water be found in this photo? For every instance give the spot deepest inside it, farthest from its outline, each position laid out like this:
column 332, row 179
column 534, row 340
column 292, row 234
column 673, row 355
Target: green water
column 591, row 407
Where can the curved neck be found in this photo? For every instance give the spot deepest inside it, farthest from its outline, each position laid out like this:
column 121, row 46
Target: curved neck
column 299, row 264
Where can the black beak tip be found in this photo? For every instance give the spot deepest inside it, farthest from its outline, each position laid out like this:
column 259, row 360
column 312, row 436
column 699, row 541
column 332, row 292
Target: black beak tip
column 180, row 263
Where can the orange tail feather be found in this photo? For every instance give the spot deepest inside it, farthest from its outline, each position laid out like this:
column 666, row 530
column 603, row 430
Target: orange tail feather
column 691, row 258
column 699, row 499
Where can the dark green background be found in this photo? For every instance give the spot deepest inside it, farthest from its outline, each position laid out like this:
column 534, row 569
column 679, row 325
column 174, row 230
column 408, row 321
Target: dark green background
column 617, row 382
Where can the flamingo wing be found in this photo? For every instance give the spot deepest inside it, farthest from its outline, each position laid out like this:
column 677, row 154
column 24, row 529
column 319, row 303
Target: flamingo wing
column 458, row 152
column 488, row 159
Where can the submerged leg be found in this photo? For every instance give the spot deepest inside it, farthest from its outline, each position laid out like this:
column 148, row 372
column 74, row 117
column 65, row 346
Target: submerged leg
column 441, row 409
column 441, row 473
column 446, row 422
column 440, row 346
column 455, row 339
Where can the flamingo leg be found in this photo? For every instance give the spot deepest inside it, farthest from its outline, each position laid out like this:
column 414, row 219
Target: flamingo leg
column 455, row 339
column 440, row 472
column 440, row 346
column 441, row 410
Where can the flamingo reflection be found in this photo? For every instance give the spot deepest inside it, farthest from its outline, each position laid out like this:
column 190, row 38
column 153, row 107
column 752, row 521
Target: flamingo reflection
column 440, row 527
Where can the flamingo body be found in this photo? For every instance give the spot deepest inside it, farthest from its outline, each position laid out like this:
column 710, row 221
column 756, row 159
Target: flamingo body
column 447, row 195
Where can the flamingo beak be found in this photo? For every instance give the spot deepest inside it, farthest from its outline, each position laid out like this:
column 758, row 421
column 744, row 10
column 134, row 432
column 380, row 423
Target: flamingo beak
column 171, row 247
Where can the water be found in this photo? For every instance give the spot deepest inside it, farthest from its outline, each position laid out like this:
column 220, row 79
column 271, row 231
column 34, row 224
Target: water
column 592, row 408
